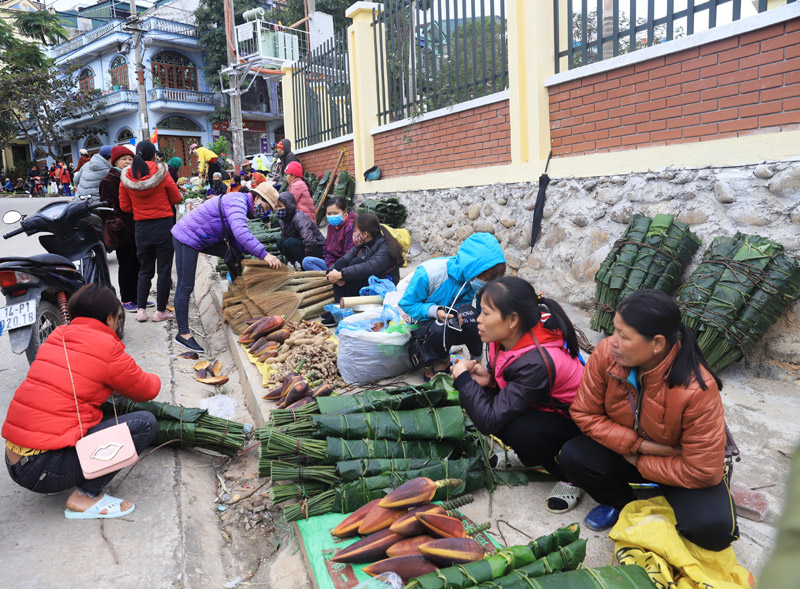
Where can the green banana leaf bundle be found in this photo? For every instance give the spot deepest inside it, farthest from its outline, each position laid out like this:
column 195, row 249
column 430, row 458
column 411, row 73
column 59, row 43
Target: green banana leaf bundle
column 495, row 566
column 736, row 294
column 337, row 449
column 345, row 187
column 565, row 558
column 193, row 426
column 390, row 211
column 618, row 577
column 350, row 496
column 351, row 470
column 652, row 253
column 289, row 471
column 433, row 423
column 288, row 491
column 316, row 196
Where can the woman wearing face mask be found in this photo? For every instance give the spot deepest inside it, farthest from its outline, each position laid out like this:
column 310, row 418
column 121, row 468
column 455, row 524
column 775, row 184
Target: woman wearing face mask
column 300, row 236
column 201, row 230
column 439, row 297
column 375, row 252
column 524, row 396
column 650, row 411
column 339, row 240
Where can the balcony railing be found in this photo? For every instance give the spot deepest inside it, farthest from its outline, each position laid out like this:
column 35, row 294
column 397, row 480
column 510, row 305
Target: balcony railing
column 176, row 95
column 154, row 24
column 116, row 98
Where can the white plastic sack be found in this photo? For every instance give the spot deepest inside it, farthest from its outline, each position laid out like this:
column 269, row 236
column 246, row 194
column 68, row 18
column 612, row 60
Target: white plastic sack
column 368, row 356
column 221, row 406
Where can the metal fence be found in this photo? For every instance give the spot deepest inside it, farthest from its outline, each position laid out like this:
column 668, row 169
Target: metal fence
column 436, row 53
column 321, row 93
column 602, row 29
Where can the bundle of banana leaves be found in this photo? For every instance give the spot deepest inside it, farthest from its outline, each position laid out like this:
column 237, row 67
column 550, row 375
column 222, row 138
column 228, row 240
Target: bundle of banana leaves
column 193, row 427
column 407, row 397
column 390, row 211
column 738, row 291
column 268, row 236
column 318, row 193
column 501, row 563
column 538, row 575
column 652, row 253
column 432, row 423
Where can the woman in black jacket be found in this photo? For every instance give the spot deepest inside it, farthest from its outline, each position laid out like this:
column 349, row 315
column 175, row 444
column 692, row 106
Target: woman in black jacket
column 375, row 252
column 300, row 236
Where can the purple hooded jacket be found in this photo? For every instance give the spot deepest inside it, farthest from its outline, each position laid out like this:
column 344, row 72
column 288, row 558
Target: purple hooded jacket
column 339, row 240
column 202, row 227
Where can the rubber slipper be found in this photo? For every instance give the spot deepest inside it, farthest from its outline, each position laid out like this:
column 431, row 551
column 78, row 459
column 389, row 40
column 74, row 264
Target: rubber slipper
column 111, row 505
column 563, row 494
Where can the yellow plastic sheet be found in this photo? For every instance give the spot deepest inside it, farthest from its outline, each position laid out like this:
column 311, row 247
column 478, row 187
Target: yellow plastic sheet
column 645, row 535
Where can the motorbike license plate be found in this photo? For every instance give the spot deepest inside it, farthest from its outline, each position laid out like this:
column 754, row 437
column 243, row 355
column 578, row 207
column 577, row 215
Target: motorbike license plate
column 17, row 315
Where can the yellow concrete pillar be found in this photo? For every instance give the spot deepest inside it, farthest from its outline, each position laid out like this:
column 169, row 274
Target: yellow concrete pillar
column 530, row 61
column 288, row 103
column 363, row 83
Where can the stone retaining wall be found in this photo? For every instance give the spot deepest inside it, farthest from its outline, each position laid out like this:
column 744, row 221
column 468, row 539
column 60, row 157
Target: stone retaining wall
column 584, row 216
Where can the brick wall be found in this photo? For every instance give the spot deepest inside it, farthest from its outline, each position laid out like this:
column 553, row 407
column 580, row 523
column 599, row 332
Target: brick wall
column 733, row 87
column 320, row 160
column 477, row 137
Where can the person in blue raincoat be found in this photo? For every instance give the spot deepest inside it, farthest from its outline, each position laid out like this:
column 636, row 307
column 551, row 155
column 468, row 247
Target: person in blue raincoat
column 439, row 298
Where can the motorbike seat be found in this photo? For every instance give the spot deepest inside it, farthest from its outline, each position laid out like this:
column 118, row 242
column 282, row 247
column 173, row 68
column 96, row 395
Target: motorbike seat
column 51, row 260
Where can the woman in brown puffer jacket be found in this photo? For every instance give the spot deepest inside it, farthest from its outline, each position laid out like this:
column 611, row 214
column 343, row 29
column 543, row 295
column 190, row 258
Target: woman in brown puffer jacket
column 650, row 411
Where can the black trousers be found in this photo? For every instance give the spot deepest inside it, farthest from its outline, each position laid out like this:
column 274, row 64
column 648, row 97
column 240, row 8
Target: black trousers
column 706, row 517
column 127, row 272
column 154, row 247
column 437, row 338
column 537, row 438
column 294, row 249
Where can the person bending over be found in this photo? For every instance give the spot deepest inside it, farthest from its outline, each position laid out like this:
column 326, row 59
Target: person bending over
column 650, row 411
column 201, row 230
column 524, row 396
column 47, row 417
column 439, row 297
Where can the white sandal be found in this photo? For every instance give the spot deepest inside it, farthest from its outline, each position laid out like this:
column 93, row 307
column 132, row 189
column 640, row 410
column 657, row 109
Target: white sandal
column 565, row 492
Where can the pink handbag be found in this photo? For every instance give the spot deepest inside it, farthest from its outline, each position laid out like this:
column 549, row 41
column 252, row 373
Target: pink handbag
column 106, row 451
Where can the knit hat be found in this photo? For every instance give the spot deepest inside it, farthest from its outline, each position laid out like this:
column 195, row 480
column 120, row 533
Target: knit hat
column 84, row 152
column 192, row 147
column 175, row 162
column 295, row 169
column 216, row 174
column 119, row 151
column 105, row 151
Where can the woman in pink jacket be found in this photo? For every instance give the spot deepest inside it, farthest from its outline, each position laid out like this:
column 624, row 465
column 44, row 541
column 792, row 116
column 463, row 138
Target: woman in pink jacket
column 298, row 188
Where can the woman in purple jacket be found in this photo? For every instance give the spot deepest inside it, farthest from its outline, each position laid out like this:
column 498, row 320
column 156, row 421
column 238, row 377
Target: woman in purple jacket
column 201, row 231
column 339, row 239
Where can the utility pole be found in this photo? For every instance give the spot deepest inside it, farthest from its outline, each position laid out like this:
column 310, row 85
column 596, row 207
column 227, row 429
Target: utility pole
column 235, row 80
column 132, row 25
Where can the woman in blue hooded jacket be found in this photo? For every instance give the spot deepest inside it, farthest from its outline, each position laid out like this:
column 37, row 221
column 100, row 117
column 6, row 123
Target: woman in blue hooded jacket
column 201, row 230
column 439, row 297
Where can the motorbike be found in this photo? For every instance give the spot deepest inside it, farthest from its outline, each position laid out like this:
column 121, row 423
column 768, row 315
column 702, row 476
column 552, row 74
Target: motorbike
column 37, row 288
column 38, row 186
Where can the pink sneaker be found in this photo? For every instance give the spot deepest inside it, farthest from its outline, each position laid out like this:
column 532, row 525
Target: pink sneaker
column 141, row 315
column 162, row 316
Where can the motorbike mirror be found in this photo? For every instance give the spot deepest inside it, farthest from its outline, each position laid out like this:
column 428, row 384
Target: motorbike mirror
column 12, row 217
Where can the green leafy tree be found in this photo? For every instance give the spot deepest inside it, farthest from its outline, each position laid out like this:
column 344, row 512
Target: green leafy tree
column 38, row 95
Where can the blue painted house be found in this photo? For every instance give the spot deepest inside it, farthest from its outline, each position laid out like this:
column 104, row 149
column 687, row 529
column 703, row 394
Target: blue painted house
column 179, row 99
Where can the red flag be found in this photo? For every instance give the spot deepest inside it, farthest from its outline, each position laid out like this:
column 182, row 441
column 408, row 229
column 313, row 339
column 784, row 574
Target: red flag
column 154, row 137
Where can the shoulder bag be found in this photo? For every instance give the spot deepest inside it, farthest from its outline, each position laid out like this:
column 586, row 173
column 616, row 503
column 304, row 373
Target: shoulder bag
column 109, row 450
column 233, row 256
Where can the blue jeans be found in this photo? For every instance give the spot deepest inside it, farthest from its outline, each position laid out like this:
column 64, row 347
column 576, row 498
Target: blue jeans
column 312, row 263
column 186, row 268
column 67, row 191
column 57, row 470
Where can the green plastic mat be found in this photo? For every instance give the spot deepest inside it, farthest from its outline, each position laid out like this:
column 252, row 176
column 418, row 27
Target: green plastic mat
column 320, row 546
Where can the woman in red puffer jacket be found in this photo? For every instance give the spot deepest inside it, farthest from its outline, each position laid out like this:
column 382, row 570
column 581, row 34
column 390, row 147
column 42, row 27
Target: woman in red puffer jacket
column 47, row 416
column 148, row 191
